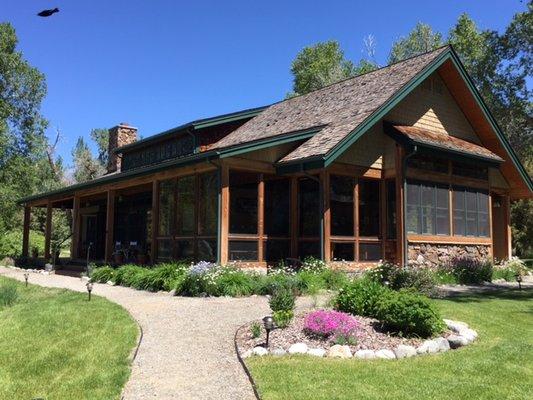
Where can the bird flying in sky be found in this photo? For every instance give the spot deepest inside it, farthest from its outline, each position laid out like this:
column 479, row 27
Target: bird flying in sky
column 47, row 13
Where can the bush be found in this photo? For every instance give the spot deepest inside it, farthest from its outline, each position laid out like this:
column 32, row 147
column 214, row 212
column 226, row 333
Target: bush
column 8, row 294
column 102, row 274
column 510, row 269
column 234, row 282
column 359, row 297
column 161, row 277
column 282, row 305
column 470, row 270
column 334, row 280
column 268, row 284
column 327, row 324
column 397, row 278
column 409, row 313
column 11, row 243
column 126, row 275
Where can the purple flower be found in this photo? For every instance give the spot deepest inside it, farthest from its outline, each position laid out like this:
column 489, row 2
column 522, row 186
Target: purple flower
column 329, row 323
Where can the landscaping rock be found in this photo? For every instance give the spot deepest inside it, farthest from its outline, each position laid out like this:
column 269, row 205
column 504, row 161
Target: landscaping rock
column 298, row 348
column 259, row 351
column 456, row 341
column 317, row 352
column 429, row 346
column 365, row 354
column 403, row 351
column 340, row 351
column 278, row 351
column 385, row 354
column 443, row 344
column 455, row 326
column 469, row 334
column 246, row 354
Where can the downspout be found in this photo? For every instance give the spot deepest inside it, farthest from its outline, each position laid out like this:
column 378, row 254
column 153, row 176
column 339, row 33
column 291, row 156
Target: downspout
column 404, row 204
column 321, row 209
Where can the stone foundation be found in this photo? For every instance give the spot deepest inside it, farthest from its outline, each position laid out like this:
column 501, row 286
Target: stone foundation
column 433, row 255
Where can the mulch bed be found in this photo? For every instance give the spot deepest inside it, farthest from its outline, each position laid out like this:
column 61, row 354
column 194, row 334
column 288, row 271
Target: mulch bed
column 370, row 337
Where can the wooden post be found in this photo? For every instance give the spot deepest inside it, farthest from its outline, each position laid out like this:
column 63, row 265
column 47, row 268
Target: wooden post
column 261, row 218
column 224, row 217
column 26, row 232
column 109, row 225
column 75, row 227
column 400, row 234
column 155, row 221
column 48, row 231
column 508, row 233
column 356, row 219
column 383, row 214
column 294, row 217
column 324, row 180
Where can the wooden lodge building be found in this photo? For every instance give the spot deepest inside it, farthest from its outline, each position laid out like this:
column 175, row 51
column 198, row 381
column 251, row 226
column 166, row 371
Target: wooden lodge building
column 405, row 163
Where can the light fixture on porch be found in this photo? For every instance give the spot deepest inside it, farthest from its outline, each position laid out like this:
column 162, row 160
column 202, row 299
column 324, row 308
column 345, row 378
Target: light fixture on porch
column 26, row 277
column 268, row 322
column 89, row 289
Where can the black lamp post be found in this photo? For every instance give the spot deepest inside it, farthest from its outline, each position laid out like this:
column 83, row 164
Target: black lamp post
column 519, row 280
column 26, row 277
column 89, row 289
column 268, row 321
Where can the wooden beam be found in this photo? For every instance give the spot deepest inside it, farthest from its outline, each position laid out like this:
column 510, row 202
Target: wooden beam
column 26, row 232
column 155, row 221
column 224, row 215
column 261, row 217
column 294, row 217
column 75, row 227
column 48, row 231
column 109, row 225
column 250, row 165
column 324, row 179
column 400, row 234
column 354, row 170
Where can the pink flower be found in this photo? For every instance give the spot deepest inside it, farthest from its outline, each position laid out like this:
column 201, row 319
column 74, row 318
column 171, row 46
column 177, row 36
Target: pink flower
column 329, row 323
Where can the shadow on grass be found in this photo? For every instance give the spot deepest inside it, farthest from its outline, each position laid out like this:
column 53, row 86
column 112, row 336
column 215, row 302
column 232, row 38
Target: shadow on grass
column 481, row 295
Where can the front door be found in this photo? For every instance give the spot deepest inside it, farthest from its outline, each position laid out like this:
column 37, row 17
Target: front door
column 500, row 238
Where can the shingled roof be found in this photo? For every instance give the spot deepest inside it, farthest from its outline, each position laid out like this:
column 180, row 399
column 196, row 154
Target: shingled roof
column 339, row 108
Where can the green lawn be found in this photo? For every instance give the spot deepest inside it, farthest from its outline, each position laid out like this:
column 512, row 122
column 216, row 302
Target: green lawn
column 499, row 365
column 54, row 344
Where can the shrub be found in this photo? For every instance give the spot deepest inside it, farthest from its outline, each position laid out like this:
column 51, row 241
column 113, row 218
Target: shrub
column 234, row 282
column 282, row 305
column 11, row 243
column 268, row 284
column 510, row 269
column 409, row 313
column 312, row 264
column 161, row 277
column 469, row 270
column 397, row 278
column 255, row 330
column 309, row 282
column 8, row 294
column 359, row 297
column 126, row 275
column 102, row 274
column 334, row 280
column 326, row 324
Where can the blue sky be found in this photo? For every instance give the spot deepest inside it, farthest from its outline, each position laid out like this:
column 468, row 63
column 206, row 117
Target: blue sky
column 157, row 64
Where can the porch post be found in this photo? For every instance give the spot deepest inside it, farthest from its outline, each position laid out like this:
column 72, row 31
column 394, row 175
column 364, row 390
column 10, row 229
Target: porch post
column 261, row 217
column 155, row 220
column 75, row 227
column 109, row 225
column 326, row 219
column 294, row 217
column 26, row 232
column 224, row 217
column 508, row 233
column 400, row 197
column 48, row 231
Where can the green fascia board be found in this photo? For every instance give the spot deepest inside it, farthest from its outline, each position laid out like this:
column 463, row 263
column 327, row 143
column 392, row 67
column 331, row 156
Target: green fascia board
column 197, row 124
column 269, row 142
column 371, row 120
column 123, row 176
column 300, row 165
column 488, row 115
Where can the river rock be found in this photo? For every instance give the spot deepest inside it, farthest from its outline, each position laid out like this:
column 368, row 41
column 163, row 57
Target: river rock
column 340, row 351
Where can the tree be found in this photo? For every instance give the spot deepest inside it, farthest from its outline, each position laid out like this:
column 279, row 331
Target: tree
column 420, row 40
column 86, row 167
column 101, row 137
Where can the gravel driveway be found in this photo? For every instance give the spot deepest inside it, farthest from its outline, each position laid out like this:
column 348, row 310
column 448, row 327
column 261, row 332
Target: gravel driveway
column 187, row 351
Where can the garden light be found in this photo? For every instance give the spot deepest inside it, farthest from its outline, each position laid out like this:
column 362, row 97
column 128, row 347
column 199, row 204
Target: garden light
column 519, row 280
column 268, row 321
column 26, row 277
column 89, row 289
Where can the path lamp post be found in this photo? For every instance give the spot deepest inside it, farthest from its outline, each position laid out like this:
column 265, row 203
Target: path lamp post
column 518, row 277
column 26, row 277
column 268, row 321
column 89, row 289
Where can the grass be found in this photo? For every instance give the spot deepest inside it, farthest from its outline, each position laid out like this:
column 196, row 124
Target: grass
column 499, row 365
column 54, row 344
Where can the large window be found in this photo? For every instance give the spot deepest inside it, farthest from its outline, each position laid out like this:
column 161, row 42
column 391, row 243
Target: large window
column 427, row 209
column 470, row 212
column 277, row 219
column 342, row 205
column 369, row 207
column 309, row 207
column 188, row 217
column 243, row 202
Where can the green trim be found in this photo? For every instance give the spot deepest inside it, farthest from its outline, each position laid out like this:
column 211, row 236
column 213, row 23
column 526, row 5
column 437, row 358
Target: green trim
column 197, row 124
column 269, row 142
column 371, row 120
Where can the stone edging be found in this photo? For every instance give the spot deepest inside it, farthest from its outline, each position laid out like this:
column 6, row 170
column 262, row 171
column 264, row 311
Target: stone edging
column 462, row 336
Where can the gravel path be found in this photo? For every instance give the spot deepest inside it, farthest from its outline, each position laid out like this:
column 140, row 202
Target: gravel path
column 187, row 351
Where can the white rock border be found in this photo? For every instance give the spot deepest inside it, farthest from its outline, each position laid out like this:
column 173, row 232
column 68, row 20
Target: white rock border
column 462, row 335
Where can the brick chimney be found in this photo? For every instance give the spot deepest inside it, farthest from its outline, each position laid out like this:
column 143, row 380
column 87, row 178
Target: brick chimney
column 119, row 136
